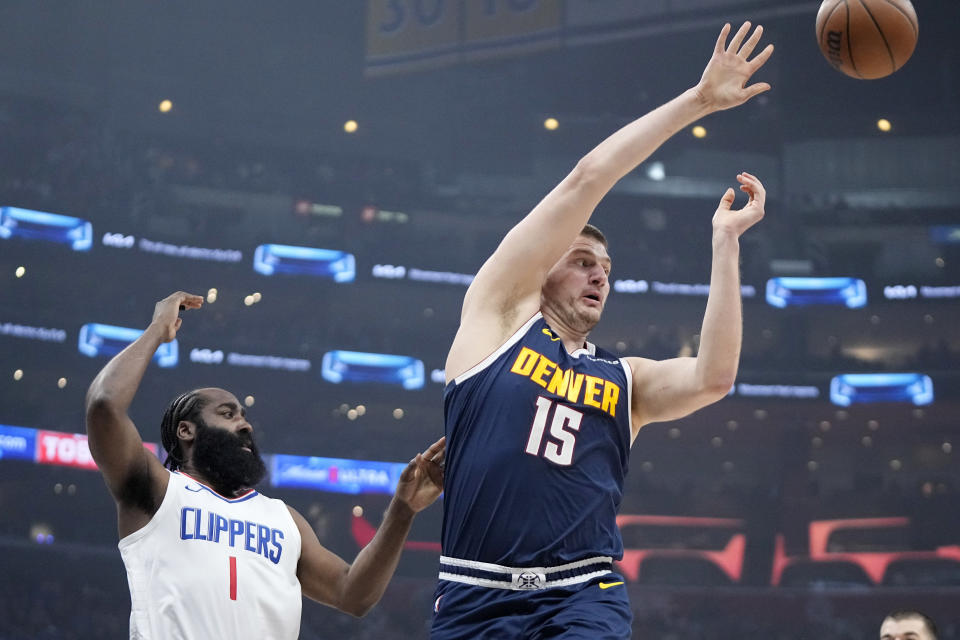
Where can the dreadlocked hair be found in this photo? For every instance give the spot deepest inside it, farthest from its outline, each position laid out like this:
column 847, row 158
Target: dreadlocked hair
column 184, row 407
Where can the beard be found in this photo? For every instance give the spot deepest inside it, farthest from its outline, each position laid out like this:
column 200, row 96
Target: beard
column 218, row 454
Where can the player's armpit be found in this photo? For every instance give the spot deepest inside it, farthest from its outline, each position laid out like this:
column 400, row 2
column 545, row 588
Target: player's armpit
column 135, row 477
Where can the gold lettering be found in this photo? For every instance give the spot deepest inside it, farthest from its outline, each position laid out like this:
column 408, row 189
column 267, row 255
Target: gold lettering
column 525, row 361
column 573, row 392
column 560, row 381
column 544, row 367
column 592, row 391
column 611, row 393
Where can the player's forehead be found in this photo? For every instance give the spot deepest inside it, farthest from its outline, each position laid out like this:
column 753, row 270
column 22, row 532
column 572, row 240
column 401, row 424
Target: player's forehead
column 589, row 246
column 214, row 397
column 896, row 628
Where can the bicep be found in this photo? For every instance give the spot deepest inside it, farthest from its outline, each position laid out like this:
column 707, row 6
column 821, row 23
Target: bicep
column 667, row 390
column 320, row 571
column 506, row 290
column 132, row 473
column 517, row 268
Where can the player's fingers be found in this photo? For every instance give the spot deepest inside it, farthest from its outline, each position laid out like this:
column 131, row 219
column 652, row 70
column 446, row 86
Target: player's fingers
column 191, row 301
column 751, row 43
column 738, row 37
column 176, row 325
column 751, row 181
column 431, row 469
column 434, row 472
column 756, row 196
column 722, row 38
column 727, row 200
column 759, row 60
column 408, row 471
column 757, row 89
column 436, row 448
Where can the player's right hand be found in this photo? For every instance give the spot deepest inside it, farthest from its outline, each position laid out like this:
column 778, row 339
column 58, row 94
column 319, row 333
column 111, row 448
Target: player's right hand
column 725, row 77
column 166, row 314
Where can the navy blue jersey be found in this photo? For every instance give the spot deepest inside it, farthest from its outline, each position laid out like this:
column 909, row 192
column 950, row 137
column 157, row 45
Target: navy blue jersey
column 537, row 448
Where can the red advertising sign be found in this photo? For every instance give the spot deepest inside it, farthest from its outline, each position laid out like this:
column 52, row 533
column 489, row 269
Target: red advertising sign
column 69, row 449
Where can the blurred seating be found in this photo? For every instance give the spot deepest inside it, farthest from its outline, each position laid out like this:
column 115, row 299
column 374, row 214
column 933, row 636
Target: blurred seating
column 831, row 574
column 681, row 572
column 922, row 572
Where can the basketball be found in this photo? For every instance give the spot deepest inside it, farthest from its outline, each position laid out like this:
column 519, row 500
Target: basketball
column 867, row 39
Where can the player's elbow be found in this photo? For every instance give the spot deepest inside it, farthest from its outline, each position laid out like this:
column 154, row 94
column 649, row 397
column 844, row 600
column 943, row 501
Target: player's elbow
column 359, row 612
column 589, row 174
column 100, row 408
column 359, row 608
column 97, row 402
column 354, row 598
column 717, row 385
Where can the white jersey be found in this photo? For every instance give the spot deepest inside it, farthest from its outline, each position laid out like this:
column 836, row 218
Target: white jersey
column 206, row 566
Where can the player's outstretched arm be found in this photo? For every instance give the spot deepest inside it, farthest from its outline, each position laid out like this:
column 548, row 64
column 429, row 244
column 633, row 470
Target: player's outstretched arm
column 132, row 474
column 671, row 389
column 506, row 290
column 356, row 588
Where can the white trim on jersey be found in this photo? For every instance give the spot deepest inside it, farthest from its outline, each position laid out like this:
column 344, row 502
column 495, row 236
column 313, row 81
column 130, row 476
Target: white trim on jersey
column 246, row 496
column 486, row 362
column 497, row 568
column 506, row 584
column 628, row 370
column 590, row 349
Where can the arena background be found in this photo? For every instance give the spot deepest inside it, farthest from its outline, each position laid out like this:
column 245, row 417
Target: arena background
column 805, row 505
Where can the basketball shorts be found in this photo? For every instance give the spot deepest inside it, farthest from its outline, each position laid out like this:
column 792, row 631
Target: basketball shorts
column 587, row 603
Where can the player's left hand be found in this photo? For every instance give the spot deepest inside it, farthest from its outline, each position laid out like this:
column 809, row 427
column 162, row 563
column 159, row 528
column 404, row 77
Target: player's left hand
column 738, row 221
column 723, row 84
column 421, row 483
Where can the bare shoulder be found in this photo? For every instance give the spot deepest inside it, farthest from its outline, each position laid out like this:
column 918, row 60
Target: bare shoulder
column 308, row 536
column 299, row 520
column 639, row 366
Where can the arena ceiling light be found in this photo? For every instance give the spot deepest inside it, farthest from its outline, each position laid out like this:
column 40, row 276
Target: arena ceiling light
column 656, row 171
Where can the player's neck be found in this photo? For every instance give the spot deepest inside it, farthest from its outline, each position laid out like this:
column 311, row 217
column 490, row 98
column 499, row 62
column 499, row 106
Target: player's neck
column 572, row 340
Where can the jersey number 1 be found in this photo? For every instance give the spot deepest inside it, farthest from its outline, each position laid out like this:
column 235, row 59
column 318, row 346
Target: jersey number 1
column 233, row 577
column 563, row 427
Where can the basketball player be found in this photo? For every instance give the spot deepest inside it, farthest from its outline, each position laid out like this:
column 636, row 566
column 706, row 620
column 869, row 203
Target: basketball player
column 206, row 555
column 908, row 625
column 539, row 422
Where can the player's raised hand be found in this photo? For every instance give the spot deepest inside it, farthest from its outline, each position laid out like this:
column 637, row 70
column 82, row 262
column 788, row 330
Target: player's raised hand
column 739, row 220
column 724, row 81
column 166, row 314
column 421, row 483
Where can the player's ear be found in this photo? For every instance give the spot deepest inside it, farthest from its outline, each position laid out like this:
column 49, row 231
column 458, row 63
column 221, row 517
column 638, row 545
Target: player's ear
column 186, row 430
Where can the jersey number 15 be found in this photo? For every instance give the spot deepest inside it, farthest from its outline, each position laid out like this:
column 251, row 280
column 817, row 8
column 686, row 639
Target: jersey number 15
column 563, row 428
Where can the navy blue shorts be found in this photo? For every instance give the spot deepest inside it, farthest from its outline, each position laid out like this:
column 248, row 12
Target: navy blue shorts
column 598, row 609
